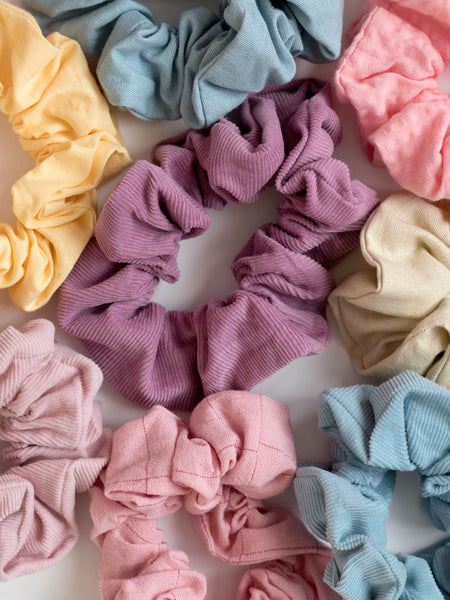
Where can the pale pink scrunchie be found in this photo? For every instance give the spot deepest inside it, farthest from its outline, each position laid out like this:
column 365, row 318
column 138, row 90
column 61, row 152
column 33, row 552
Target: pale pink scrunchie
column 389, row 75
column 236, row 450
column 55, row 444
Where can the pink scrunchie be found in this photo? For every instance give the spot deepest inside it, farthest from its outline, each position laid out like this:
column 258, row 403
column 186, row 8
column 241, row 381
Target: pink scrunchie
column 283, row 136
column 236, row 450
column 389, row 75
column 56, row 445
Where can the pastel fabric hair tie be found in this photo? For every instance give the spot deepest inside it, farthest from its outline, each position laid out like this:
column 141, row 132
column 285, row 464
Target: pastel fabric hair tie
column 55, row 445
column 236, row 450
column 402, row 425
column 283, row 137
column 56, row 109
column 389, row 74
column 395, row 314
column 204, row 67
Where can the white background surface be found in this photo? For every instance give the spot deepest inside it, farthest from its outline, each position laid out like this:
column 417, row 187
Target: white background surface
column 205, row 273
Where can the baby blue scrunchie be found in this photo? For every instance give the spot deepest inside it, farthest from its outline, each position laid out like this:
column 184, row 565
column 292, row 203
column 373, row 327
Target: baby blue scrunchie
column 402, row 425
column 204, row 67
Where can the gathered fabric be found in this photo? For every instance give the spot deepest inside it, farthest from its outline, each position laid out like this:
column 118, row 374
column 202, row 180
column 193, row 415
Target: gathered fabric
column 61, row 118
column 55, row 445
column 206, row 65
column 283, row 137
column 389, row 74
column 401, row 425
column 395, row 314
column 236, row 450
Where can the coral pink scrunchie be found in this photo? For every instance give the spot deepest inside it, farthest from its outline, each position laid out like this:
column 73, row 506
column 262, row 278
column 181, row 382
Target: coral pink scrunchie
column 236, row 450
column 285, row 137
column 389, row 75
column 55, row 444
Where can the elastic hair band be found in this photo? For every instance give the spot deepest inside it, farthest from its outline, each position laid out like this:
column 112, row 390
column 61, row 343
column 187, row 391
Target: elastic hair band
column 204, row 67
column 236, row 450
column 389, row 74
column 55, row 445
column 402, row 425
column 277, row 314
column 395, row 314
column 61, row 118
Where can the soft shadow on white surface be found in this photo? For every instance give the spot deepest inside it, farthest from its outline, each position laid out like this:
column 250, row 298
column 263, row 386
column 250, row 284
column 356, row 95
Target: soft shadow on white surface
column 205, row 272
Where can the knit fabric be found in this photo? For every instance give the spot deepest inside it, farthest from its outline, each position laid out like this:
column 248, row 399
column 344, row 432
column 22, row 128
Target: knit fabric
column 205, row 66
column 57, row 111
column 55, row 445
column 285, row 137
column 402, row 425
column 236, row 450
column 389, row 74
column 395, row 314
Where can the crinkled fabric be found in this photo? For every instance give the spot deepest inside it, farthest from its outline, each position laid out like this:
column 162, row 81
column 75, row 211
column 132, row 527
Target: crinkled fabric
column 204, row 67
column 395, row 314
column 236, row 450
column 56, row 109
column 438, row 558
column 283, row 137
column 55, row 445
column 402, row 425
column 389, row 74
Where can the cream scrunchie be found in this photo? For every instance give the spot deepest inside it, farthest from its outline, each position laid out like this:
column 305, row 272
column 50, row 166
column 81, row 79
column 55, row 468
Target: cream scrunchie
column 395, row 315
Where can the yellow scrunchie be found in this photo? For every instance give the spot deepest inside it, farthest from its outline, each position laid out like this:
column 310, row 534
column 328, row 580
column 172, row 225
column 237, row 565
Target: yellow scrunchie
column 395, row 315
column 61, row 118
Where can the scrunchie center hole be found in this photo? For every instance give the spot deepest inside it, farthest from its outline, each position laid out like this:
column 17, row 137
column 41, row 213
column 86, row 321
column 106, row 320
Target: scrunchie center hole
column 408, row 528
column 205, row 262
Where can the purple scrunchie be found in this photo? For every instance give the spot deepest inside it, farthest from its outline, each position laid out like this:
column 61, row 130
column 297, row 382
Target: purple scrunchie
column 283, row 136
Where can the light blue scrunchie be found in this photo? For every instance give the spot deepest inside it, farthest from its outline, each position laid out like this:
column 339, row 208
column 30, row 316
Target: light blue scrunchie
column 206, row 66
column 402, row 425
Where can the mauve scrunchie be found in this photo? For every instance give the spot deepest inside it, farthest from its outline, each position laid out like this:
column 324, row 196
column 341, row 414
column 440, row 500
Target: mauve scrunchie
column 389, row 74
column 55, row 444
column 204, row 67
column 236, row 450
column 285, row 137
column 394, row 315
column 402, row 425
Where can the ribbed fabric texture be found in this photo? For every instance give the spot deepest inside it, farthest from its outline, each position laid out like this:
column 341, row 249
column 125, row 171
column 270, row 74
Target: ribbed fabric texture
column 285, row 137
column 205, row 66
column 55, row 445
column 236, row 450
column 402, row 425
column 389, row 74
column 56, row 109
column 395, row 314
column 438, row 558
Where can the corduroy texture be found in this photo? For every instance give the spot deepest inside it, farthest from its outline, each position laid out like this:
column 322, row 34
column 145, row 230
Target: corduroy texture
column 236, row 450
column 402, row 425
column 389, row 74
column 56, row 109
column 285, row 137
column 204, row 67
column 395, row 315
column 55, row 444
